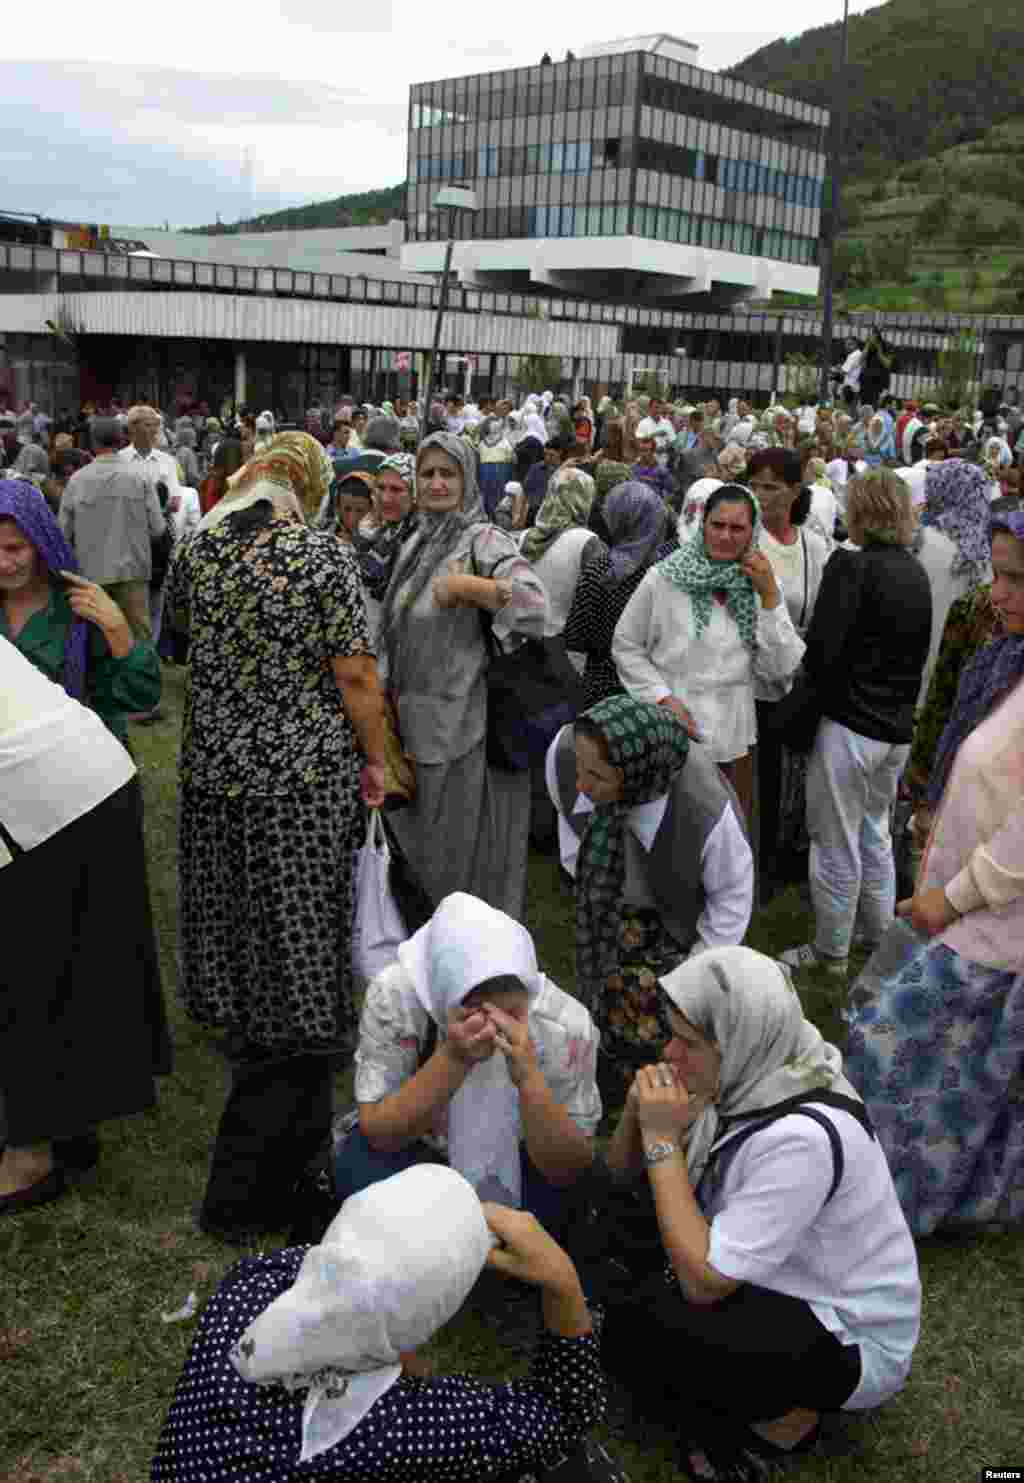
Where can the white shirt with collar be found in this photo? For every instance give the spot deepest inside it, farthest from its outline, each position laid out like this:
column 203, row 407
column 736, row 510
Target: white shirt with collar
column 153, row 465
column 727, row 864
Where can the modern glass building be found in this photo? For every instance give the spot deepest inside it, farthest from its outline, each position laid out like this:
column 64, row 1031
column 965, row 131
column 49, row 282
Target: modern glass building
column 626, row 173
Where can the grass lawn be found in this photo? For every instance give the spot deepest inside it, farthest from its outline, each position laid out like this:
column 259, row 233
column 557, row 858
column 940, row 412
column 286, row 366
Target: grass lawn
column 89, row 1366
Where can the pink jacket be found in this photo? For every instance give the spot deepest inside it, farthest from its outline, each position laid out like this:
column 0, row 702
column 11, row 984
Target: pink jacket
column 976, row 849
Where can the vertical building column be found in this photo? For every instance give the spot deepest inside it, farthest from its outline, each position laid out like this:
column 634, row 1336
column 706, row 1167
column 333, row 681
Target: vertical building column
column 577, row 380
column 240, row 378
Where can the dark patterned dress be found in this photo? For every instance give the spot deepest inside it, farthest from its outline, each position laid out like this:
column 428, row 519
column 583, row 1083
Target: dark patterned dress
column 269, row 784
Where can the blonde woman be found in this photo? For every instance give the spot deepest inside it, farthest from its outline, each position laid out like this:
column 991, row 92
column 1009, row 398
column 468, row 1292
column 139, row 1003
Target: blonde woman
column 866, row 649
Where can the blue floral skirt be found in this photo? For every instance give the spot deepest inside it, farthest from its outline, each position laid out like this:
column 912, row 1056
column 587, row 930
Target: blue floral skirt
column 937, row 1052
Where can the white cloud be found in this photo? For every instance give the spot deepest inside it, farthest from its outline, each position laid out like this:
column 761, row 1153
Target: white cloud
column 313, row 91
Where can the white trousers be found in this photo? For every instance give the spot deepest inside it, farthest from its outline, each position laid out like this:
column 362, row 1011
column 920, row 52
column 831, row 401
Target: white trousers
column 851, row 785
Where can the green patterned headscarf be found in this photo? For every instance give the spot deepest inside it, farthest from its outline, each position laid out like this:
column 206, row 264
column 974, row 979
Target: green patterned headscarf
column 650, row 746
column 567, row 503
column 693, row 572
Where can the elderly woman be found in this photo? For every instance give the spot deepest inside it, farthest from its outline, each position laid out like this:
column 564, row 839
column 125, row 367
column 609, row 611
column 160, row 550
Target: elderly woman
column 393, row 520
column 304, row 1364
column 936, row 1048
column 635, row 524
column 703, row 626
column 282, row 702
column 728, row 467
column 866, row 650
column 185, row 454
column 560, row 543
column 465, row 1041
column 791, row 1286
column 69, row 628
column 497, row 462
column 654, row 838
column 953, row 544
column 467, row 828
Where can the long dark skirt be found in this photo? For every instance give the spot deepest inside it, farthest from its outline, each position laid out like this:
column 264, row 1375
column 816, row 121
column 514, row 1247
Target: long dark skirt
column 266, row 916
column 83, row 1030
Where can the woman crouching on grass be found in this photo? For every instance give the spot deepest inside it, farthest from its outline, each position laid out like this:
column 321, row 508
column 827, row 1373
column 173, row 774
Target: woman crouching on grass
column 792, row 1286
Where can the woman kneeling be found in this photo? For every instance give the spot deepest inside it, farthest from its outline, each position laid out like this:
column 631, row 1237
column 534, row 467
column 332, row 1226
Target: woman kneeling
column 464, row 1041
column 792, row 1280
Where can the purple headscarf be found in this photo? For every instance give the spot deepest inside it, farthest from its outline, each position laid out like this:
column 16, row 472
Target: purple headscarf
column 22, row 503
column 993, row 672
column 637, row 523
column 957, row 503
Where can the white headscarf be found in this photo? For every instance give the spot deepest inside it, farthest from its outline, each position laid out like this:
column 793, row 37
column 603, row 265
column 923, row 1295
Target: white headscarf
column 395, row 1264
column 746, row 1004
column 465, row 943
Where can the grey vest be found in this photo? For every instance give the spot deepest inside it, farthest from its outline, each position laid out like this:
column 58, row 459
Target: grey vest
column 673, row 868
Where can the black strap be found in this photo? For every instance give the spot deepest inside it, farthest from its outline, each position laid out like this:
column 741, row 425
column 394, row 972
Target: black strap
column 803, row 610
column 731, row 1141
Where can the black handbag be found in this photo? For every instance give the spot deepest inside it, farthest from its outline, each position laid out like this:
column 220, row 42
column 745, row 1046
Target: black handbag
column 794, row 720
column 532, row 692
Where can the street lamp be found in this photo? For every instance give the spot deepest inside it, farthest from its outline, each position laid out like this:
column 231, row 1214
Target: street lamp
column 451, row 198
column 838, row 143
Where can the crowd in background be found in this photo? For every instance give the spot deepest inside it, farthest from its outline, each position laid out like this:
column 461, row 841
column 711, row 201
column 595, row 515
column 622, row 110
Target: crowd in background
column 792, row 643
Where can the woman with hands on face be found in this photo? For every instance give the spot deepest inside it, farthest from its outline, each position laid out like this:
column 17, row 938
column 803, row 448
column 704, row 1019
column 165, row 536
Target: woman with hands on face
column 792, row 1285
column 467, row 1051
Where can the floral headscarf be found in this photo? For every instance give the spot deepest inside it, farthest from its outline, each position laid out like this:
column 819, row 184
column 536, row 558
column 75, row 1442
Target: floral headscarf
column 636, row 522
column 21, row 502
column 650, row 746
column 993, row 672
column 957, row 503
column 379, row 553
column 567, row 503
column 693, row 572
column 299, row 462
column 745, row 1003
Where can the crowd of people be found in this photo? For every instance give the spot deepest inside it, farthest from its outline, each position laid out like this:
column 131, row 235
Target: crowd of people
column 777, row 633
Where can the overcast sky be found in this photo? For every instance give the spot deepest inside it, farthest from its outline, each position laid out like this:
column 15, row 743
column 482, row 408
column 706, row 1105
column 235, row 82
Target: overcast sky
column 143, row 116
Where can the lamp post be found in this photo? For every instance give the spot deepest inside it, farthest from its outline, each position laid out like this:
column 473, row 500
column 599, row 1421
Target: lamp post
column 838, row 142
column 452, row 198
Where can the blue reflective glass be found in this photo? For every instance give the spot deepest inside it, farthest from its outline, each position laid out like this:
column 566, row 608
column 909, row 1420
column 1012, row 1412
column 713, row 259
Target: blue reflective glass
column 557, row 156
column 698, row 165
column 584, row 155
column 569, row 156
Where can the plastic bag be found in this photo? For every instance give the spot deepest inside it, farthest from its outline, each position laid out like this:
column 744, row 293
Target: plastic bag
column 378, row 927
column 893, row 953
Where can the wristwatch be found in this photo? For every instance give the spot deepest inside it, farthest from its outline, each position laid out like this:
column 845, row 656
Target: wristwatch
column 657, row 1153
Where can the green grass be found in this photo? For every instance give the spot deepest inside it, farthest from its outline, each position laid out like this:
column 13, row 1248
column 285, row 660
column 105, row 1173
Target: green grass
column 88, row 1367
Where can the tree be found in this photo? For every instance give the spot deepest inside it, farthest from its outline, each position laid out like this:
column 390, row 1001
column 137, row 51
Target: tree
column 537, row 372
column 933, row 290
column 957, row 362
column 650, row 384
column 802, row 377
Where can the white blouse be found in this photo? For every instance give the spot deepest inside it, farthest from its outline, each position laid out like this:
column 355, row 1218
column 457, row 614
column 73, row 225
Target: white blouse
column 657, row 653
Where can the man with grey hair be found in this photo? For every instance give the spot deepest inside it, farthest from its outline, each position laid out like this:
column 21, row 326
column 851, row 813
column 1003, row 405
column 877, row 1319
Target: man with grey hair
column 110, row 516
column 144, row 426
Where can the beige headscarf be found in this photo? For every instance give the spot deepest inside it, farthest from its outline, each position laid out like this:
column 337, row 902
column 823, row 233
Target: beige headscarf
column 746, row 1004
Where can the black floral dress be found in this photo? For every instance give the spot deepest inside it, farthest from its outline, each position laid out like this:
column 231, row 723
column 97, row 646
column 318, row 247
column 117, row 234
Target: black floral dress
column 269, row 784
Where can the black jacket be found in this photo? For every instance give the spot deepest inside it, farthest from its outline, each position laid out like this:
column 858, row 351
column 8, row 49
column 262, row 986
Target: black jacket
column 868, row 640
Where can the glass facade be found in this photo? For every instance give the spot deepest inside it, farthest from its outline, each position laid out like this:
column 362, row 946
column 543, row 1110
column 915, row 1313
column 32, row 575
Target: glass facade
column 635, row 144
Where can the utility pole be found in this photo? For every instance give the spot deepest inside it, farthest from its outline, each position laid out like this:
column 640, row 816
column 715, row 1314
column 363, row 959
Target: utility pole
column 832, row 221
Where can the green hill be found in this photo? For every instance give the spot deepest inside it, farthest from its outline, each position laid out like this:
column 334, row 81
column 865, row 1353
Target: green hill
column 370, row 208
column 924, row 75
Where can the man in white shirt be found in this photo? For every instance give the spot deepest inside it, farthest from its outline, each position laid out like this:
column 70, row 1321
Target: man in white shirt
column 156, row 467
column 852, row 368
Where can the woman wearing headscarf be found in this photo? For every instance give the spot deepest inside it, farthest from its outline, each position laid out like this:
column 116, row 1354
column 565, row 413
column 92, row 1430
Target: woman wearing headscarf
column 728, row 467
column 84, row 1026
column 702, row 626
column 497, row 462
column 32, row 464
column 560, row 544
column 392, row 522
column 66, row 626
column 936, row 1048
column 791, row 1287
column 304, row 1364
column 465, row 1040
column 282, row 705
column 634, row 523
column 185, row 454
column 866, row 649
column 467, row 828
column 953, row 542
column 656, row 843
